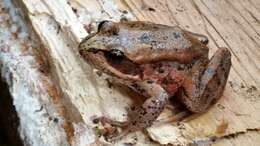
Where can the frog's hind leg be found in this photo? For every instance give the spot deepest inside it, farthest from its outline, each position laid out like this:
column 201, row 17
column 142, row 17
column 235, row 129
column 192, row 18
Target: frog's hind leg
column 206, row 81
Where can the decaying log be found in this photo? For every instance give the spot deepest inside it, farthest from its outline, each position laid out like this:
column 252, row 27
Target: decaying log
column 57, row 94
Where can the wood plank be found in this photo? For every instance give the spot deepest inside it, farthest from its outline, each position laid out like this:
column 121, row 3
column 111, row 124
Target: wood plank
column 61, row 25
column 223, row 22
column 37, row 101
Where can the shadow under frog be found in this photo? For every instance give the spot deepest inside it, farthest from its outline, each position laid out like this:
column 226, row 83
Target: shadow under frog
column 157, row 61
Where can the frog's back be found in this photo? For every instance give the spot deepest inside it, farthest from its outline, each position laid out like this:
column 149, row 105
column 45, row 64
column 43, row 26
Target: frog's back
column 144, row 42
column 158, row 36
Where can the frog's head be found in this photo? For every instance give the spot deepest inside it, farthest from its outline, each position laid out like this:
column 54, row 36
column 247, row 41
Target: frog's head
column 104, row 39
column 103, row 50
column 131, row 38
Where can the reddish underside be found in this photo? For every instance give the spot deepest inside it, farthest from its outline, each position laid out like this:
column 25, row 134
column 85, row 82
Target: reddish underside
column 165, row 74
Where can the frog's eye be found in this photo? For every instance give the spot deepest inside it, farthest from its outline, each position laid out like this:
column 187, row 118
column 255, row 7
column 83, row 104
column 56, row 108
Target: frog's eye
column 103, row 24
column 108, row 27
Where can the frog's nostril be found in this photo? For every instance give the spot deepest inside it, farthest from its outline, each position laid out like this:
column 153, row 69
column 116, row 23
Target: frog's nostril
column 81, row 52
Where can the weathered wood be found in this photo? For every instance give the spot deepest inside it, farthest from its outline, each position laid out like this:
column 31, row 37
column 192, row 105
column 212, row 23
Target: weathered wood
column 36, row 100
column 234, row 24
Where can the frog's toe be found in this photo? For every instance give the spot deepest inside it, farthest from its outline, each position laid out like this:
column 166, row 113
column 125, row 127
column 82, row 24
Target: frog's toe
column 111, row 132
column 118, row 136
column 105, row 120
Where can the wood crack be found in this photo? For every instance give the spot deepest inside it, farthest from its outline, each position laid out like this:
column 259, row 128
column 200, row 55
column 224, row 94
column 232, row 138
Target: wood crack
column 214, row 139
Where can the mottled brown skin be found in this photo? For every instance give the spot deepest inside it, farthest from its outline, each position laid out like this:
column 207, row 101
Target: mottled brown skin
column 158, row 61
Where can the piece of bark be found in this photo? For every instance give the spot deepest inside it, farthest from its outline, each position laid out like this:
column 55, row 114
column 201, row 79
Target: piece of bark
column 35, row 97
column 61, row 25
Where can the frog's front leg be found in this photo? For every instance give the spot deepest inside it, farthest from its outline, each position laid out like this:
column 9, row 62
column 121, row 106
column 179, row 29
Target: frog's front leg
column 206, row 81
column 146, row 114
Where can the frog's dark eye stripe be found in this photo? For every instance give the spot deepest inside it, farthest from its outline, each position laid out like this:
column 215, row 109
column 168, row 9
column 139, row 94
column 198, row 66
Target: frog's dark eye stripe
column 115, row 56
column 119, row 61
column 116, row 52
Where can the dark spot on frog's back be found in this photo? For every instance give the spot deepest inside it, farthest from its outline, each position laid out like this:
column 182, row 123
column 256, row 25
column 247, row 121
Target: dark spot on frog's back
column 146, row 38
column 165, row 38
column 176, row 35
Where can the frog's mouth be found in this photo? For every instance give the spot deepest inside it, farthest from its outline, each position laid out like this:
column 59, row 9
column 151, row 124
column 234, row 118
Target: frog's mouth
column 113, row 63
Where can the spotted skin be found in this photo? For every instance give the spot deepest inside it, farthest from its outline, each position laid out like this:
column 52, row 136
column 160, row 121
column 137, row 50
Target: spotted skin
column 158, row 62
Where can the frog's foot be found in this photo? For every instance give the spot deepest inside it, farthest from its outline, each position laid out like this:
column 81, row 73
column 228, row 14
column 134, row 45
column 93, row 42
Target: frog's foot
column 206, row 82
column 105, row 120
column 111, row 134
column 143, row 116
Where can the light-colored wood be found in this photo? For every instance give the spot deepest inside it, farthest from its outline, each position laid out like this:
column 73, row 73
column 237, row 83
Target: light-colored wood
column 249, row 138
column 35, row 97
column 234, row 24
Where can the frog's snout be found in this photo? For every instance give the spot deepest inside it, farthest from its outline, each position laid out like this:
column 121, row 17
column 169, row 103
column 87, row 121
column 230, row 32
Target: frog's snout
column 81, row 46
column 81, row 50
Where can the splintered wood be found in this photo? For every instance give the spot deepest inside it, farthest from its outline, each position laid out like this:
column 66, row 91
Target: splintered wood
column 235, row 24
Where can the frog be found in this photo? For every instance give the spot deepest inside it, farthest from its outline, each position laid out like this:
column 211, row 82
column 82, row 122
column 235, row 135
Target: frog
column 158, row 62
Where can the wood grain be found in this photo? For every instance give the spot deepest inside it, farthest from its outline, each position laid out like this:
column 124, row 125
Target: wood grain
column 234, row 24
column 228, row 23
